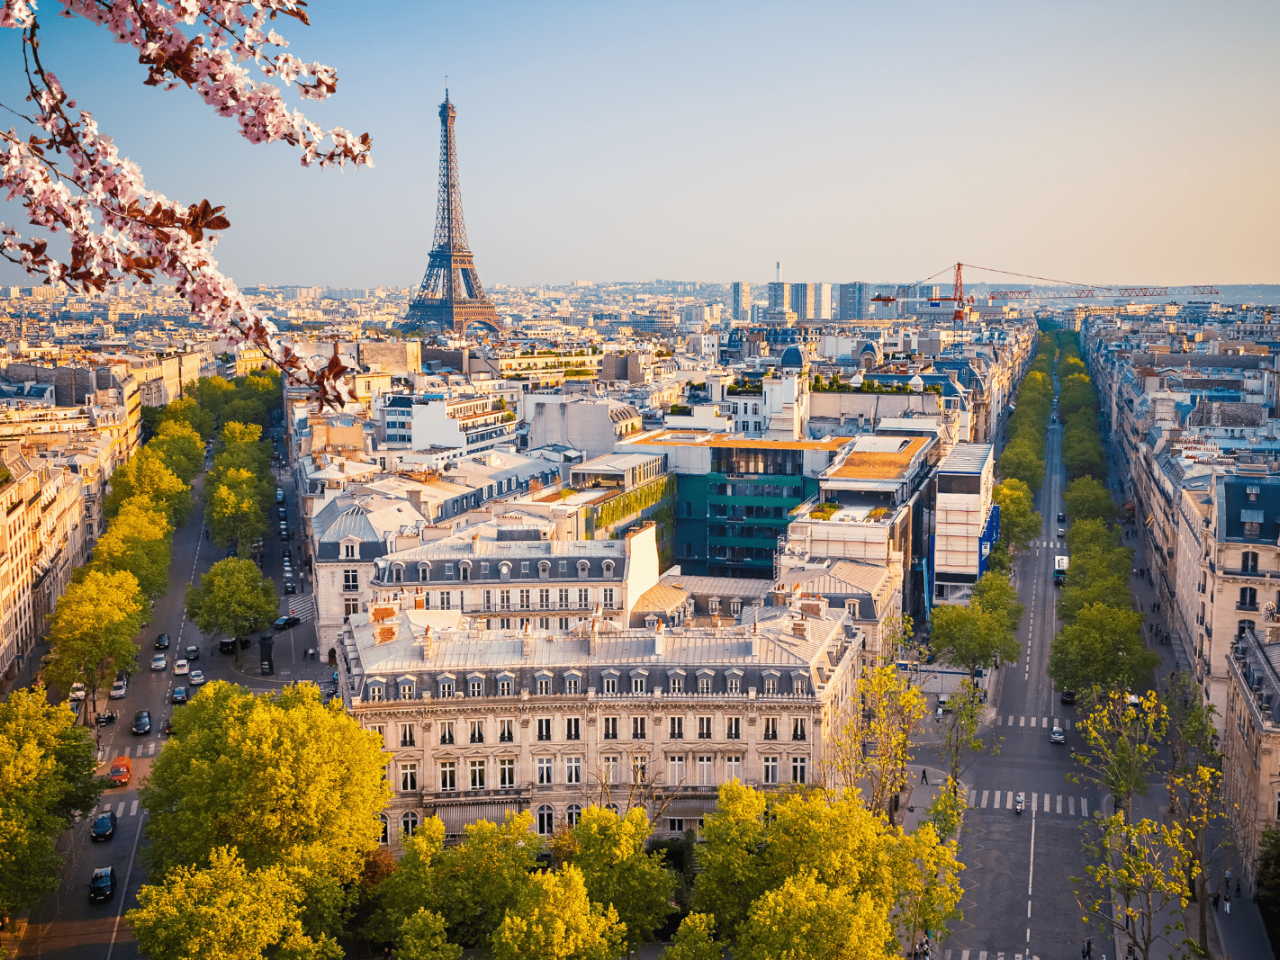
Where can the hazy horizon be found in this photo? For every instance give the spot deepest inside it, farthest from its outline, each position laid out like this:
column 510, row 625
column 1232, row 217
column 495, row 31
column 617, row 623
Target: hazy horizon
column 1097, row 143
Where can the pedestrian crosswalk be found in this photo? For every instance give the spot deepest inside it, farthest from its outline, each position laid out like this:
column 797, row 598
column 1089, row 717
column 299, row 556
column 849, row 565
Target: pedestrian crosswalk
column 138, row 750
column 1058, row 544
column 1056, row 804
column 304, row 607
column 130, row 805
column 1026, row 721
column 987, row 955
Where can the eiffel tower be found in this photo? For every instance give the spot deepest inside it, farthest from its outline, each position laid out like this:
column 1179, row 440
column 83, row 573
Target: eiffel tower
column 451, row 294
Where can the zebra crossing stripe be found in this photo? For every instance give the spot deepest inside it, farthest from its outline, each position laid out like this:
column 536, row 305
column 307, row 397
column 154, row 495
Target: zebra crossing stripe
column 1059, row 803
column 133, row 810
column 985, row 794
column 973, row 798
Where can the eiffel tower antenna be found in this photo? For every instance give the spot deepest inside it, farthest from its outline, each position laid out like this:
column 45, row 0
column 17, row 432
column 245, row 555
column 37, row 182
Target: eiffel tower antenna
column 451, row 294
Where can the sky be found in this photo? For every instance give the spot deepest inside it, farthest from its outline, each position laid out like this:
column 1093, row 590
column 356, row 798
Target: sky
column 1129, row 143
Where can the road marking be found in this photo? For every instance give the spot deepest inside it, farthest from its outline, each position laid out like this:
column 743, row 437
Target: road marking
column 120, row 809
column 1071, row 802
column 1084, row 807
column 973, row 798
column 1033, row 721
column 151, row 749
column 133, row 810
column 1022, row 721
column 1059, row 803
column 1034, row 798
column 1044, row 721
column 1011, row 721
column 124, row 892
column 964, row 955
column 982, row 955
column 984, row 797
column 1009, row 803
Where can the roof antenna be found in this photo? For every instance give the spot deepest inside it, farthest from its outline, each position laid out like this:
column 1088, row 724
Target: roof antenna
column 446, row 88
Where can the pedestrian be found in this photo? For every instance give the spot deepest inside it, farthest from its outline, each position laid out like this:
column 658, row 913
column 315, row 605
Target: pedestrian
column 1227, row 903
column 924, row 776
column 1216, row 898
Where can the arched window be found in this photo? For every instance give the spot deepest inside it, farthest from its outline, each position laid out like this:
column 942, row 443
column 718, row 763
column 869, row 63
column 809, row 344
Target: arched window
column 397, row 573
column 408, row 823
column 544, row 570
column 755, row 408
column 464, row 570
column 573, row 814
column 504, row 571
column 584, row 569
column 1249, row 562
column 546, row 820
column 1248, row 599
column 385, row 829
column 607, row 567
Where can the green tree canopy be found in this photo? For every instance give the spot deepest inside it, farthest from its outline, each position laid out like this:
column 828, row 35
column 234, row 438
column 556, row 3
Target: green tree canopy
column 281, row 777
column 1089, row 499
column 1111, row 590
column 190, row 411
column 1021, row 460
column 147, row 475
column 483, row 878
column 973, row 637
column 806, row 919
column 695, row 940
column 47, row 766
column 139, row 540
column 1019, row 522
column 233, row 598
column 620, row 874
column 226, row 911
column 553, row 919
column 211, row 393
column 996, row 595
column 236, row 512
column 422, row 937
column 1103, row 648
column 91, row 631
column 181, row 448
column 413, row 885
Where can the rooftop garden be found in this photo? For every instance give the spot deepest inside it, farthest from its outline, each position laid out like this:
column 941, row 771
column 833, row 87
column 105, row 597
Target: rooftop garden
column 745, row 388
column 824, row 511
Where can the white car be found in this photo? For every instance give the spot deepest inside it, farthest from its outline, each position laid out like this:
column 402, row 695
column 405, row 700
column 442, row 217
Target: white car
column 77, row 693
column 195, row 678
column 159, row 662
column 118, row 690
column 180, row 668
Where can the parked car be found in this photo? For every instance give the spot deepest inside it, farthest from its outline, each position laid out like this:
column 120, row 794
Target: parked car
column 102, row 885
column 196, row 679
column 119, row 689
column 279, row 495
column 288, row 586
column 159, row 662
column 179, row 695
column 104, row 826
column 77, row 693
column 193, row 653
column 282, row 513
column 227, row 645
column 162, row 642
column 284, row 623
column 142, row 723
column 181, row 668
column 284, row 530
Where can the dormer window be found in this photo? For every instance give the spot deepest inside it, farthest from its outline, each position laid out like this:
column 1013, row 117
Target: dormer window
column 348, row 551
column 607, row 568
column 584, row 569
column 397, row 574
column 544, row 570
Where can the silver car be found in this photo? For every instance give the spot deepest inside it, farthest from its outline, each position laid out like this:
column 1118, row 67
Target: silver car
column 159, row 662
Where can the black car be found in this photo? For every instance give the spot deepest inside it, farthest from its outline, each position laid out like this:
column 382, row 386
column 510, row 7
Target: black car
column 102, row 885
column 284, row 623
column 289, row 586
column 162, row 642
column 193, row 653
column 1068, row 697
column 179, row 695
column 1062, row 518
column 282, row 513
column 227, row 645
column 104, row 826
column 142, row 723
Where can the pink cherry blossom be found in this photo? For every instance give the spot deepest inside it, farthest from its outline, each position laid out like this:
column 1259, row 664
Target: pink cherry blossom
column 70, row 178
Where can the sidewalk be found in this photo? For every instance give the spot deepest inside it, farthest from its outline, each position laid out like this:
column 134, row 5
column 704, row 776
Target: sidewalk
column 919, row 796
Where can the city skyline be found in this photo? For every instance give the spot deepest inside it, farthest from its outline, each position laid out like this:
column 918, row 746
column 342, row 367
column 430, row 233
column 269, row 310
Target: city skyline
column 1058, row 145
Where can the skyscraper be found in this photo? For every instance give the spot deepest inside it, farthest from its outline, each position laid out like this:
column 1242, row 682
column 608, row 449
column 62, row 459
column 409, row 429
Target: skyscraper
column 854, row 301
column 779, row 297
column 740, row 301
column 821, row 301
column 802, row 300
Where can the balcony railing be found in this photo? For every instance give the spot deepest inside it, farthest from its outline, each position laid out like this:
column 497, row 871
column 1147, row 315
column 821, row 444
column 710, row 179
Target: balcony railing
column 1248, row 607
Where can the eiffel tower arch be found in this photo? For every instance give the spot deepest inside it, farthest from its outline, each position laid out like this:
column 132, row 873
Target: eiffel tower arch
column 451, row 295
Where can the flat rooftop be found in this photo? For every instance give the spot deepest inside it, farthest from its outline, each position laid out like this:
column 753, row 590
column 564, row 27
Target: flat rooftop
column 879, row 458
column 967, row 458
column 697, row 438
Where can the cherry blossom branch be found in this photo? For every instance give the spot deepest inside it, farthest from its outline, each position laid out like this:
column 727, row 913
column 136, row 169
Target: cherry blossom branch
column 72, row 179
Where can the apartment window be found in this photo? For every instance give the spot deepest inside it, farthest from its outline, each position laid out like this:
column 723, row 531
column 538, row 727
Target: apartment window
column 350, row 606
column 704, row 685
column 477, row 731
column 504, row 623
column 524, row 599
column 572, row 729
column 504, row 599
column 546, row 820
column 406, row 690
column 350, row 580
column 544, row 599
column 637, row 728
column 675, row 729
column 637, row 684
column 506, row 730
column 374, row 693
column 797, row 769
column 409, row 823
column 564, row 599
column 770, row 686
column 544, row 770
column 408, row 777
column 446, row 688
column 446, row 600
column 385, row 827
column 1252, row 530
column 706, row 771
column 348, row 551
column 544, row 728
column 504, row 688
column 733, row 767
column 465, row 571
column 800, row 685
column 733, row 728
column 573, row 770
column 675, row 824
column 475, row 688
column 1249, row 562
column 571, row 685
column 733, row 685
column 639, row 769
column 544, row 686
column 771, row 728
column 677, row 684
column 524, row 566
column 608, row 598
column 584, row 598
column 704, row 728
column 770, row 769
column 572, row 814
column 675, row 771
column 487, row 600
column 610, row 684
column 797, row 729
column 735, row 607
column 563, row 624
column 506, row 773
column 610, row 769
column 611, row 728
column 406, row 735
column 446, row 732
column 1248, row 598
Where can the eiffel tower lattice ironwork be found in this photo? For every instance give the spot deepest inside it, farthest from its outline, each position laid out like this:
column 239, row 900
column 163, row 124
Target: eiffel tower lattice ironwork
column 451, row 294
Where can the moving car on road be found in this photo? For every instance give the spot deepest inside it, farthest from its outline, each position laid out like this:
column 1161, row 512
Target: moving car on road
column 102, row 885
column 181, row 668
column 1062, row 517
column 193, row 653
column 121, row 771
column 284, row 623
column 119, row 689
column 142, row 723
column 196, row 678
column 104, row 826
column 1057, row 736
column 162, row 642
column 179, row 695
column 159, row 662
